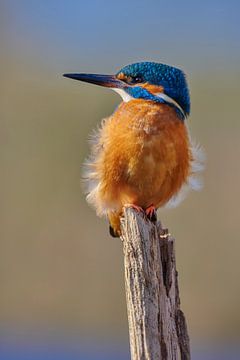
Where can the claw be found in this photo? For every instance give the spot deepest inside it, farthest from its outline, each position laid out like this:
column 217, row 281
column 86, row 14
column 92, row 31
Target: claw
column 135, row 207
column 151, row 213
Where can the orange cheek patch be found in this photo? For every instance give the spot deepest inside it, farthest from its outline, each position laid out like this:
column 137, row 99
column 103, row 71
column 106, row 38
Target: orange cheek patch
column 154, row 89
column 125, row 78
column 121, row 76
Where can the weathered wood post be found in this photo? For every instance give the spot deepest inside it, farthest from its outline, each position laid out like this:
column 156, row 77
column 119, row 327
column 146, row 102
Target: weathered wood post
column 157, row 326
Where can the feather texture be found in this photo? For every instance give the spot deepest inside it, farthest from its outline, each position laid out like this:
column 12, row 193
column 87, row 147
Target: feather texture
column 143, row 155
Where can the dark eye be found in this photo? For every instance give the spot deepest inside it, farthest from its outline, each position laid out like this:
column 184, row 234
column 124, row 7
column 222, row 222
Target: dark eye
column 130, row 79
column 135, row 80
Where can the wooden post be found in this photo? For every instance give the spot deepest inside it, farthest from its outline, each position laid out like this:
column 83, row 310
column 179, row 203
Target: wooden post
column 157, row 326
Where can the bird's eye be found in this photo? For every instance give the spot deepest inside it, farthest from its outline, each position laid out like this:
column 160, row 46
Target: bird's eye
column 134, row 80
column 131, row 80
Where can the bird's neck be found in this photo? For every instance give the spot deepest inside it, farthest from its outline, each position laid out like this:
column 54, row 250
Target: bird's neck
column 142, row 114
column 152, row 93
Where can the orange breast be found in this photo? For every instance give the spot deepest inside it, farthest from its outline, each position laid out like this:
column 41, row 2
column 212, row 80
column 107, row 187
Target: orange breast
column 143, row 156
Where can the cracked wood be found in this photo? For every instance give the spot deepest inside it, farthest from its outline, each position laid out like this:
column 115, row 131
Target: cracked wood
column 157, row 326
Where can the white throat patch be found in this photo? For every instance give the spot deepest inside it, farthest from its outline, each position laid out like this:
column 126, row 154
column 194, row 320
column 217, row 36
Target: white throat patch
column 124, row 95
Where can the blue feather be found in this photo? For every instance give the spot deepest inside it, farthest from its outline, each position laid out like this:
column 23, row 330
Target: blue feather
column 170, row 78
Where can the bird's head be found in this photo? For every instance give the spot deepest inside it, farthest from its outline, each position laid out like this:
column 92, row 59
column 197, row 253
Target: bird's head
column 149, row 81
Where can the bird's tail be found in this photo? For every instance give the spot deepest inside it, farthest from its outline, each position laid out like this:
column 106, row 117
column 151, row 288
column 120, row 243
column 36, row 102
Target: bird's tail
column 114, row 223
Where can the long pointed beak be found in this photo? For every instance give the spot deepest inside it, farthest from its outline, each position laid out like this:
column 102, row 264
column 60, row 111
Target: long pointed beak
column 103, row 80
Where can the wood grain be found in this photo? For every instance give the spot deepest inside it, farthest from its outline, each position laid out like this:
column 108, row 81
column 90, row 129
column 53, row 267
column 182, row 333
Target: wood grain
column 157, row 326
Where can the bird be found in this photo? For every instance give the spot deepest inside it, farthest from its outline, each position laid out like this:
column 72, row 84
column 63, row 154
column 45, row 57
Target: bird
column 142, row 156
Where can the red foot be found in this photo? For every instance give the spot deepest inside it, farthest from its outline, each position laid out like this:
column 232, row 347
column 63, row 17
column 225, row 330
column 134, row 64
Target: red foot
column 135, row 207
column 151, row 213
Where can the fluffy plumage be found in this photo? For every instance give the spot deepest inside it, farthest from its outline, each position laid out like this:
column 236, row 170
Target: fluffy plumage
column 141, row 155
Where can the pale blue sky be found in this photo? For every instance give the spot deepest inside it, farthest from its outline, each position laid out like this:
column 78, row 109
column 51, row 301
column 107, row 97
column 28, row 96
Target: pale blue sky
column 108, row 34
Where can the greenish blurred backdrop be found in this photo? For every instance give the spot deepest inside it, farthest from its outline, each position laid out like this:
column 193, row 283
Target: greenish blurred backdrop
column 60, row 270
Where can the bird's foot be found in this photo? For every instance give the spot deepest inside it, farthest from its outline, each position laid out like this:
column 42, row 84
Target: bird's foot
column 135, row 207
column 151, row 213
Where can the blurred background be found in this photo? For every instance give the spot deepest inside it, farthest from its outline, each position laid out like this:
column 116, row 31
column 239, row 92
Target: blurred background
column 61, row 274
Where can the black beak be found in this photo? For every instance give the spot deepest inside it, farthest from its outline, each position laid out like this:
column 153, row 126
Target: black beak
column 103, row 80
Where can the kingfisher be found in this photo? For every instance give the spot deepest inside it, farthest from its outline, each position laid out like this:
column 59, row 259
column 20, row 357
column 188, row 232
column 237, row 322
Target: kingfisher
column 142, row 155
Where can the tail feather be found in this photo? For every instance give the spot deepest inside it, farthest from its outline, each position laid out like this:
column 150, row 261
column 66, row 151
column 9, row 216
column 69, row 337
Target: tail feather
column 112, row 232
column 114, row 223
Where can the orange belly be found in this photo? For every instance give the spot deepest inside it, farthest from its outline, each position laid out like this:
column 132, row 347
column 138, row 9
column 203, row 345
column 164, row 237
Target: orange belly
column 142, row 156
